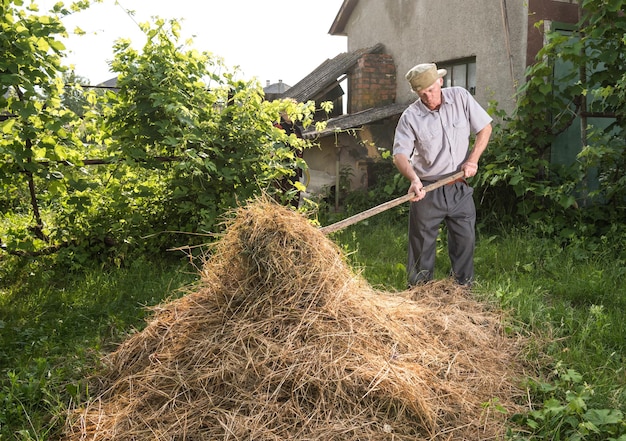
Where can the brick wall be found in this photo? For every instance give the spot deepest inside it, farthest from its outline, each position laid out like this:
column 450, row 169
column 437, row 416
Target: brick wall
column 372, row 82
column 563, row 11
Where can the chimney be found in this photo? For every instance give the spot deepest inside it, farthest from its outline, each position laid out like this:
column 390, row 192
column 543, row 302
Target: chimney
column 372, row 82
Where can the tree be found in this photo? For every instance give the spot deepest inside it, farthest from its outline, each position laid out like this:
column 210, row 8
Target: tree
column 73, row 96
column 218, row 131
column 179, row 143
column 38, row 133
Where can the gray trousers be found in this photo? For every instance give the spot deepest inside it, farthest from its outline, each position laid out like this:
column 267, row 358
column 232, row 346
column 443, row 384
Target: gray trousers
column 454, row 205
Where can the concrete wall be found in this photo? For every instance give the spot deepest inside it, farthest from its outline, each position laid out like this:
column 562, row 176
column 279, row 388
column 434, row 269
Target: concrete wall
column 352, row 150
column 441, row 31
column 417, row 31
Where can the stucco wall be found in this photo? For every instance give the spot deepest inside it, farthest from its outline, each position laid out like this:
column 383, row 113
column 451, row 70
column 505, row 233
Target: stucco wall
column 351, row 150
column 416, row 31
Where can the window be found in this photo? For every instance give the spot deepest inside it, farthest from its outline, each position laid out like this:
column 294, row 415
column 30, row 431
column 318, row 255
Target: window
column 461, row 73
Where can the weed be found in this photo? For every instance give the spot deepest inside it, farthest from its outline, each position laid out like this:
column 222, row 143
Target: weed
column 567, row 413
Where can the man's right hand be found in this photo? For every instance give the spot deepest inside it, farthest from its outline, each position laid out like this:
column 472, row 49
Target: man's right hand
column 405, row 168
column 418, row 189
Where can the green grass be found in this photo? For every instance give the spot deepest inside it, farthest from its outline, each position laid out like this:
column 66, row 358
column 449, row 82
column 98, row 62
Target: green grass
column 55, row 325
column 573, row 298
column 570, row 300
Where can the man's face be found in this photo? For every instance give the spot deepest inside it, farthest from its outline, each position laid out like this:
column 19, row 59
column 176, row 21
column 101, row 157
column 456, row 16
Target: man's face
column 431, row 96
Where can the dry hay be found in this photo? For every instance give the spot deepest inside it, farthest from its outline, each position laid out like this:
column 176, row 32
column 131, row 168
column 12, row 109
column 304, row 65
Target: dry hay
column 282, row 340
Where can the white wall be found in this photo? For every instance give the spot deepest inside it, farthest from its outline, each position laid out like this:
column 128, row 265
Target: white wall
column 417, row 31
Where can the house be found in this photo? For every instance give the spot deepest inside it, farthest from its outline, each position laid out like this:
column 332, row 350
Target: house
column 272, row 90
column 485, row 45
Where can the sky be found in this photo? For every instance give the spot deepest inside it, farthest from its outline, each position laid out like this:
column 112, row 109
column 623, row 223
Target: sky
column 269, row 40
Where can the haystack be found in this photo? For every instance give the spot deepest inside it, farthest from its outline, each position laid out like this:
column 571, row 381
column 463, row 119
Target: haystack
column 282, row 340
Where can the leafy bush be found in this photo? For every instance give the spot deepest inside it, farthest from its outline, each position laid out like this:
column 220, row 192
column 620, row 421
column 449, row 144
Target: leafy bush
column 386, row 184
column 567, row 413
column 149, row 166
column 518, row 181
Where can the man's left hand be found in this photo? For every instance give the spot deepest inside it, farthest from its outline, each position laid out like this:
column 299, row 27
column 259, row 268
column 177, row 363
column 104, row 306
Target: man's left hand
column 470, row 169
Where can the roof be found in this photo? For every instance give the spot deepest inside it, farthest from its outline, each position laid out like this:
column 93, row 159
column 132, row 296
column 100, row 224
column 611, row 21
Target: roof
column 110, row 83
column 324, row 77
column 359, row 119
column 279, row 87
column 339, row 25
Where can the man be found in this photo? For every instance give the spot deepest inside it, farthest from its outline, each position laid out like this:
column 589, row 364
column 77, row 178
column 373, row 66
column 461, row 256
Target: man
column 431, row 142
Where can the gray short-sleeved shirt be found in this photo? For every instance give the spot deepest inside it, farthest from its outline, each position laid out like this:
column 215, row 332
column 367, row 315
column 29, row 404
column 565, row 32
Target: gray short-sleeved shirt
column 437, row 142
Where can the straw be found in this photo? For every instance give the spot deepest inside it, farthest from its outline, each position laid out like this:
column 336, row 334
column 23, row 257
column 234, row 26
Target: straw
column 282, row 339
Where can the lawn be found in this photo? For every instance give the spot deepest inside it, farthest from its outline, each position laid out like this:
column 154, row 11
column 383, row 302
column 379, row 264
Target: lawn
column 568, row 298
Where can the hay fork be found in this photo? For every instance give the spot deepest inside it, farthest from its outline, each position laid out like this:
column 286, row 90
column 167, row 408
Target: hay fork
column 387, row 205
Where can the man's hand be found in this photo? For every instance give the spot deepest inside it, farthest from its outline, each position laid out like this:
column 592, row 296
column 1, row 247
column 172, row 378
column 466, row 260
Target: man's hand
column 418, row 188
column 480, row 144
column 470, row 169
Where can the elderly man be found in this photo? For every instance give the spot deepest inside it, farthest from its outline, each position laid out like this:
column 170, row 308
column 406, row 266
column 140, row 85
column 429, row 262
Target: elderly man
column 432, row 141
